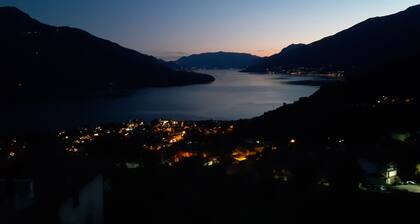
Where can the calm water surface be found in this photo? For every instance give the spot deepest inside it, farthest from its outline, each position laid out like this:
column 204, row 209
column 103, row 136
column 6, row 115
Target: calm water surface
column 233, row 95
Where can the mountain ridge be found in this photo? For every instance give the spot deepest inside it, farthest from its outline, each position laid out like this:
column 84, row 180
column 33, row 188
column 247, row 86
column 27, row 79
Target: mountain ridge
column 217, row 60
column 50, row 59
column 375, row 41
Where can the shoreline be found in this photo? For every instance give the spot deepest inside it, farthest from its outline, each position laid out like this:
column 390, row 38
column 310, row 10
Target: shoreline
column 318, row 82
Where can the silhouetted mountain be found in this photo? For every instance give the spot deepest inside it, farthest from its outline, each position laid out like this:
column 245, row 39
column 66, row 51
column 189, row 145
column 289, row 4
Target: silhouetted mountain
column 217, row 60
column 380, row 93
column 373, row 43
column 291, row 47
column 36, row 58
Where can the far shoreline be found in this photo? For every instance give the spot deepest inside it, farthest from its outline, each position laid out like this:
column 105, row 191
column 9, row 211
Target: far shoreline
column 318, row 82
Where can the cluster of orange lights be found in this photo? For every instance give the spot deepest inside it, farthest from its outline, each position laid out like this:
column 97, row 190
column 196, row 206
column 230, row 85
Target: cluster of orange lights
column 13, row 149
column 129, row 128
column 241, row 154
column 178, row 138
column 72, row 149
column 387, row 99
column 182, row 155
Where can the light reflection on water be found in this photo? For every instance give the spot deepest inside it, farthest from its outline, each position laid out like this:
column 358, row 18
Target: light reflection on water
column 232, row 96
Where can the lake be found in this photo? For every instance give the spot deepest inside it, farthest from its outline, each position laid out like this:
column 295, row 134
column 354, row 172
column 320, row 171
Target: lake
column 232, row 96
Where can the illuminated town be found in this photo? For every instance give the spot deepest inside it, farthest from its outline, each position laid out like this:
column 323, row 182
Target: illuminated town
column 138, row 159
column 209, row 111
column 172, row 143
column 175, row 141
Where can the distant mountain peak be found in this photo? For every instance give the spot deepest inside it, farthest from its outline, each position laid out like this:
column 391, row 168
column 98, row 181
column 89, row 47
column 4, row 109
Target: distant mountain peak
column 12, row 11
column 12, row 17
column 217, row 60
column 222, row 53
column 292, row 47
column 414, row 7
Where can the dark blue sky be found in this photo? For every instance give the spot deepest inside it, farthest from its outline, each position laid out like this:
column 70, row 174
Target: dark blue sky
column 170, row 28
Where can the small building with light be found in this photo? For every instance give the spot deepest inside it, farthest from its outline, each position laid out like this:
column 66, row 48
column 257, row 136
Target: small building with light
column 379, row 175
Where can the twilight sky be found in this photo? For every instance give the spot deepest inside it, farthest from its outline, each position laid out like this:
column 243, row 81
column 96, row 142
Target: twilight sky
column 173, row 28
